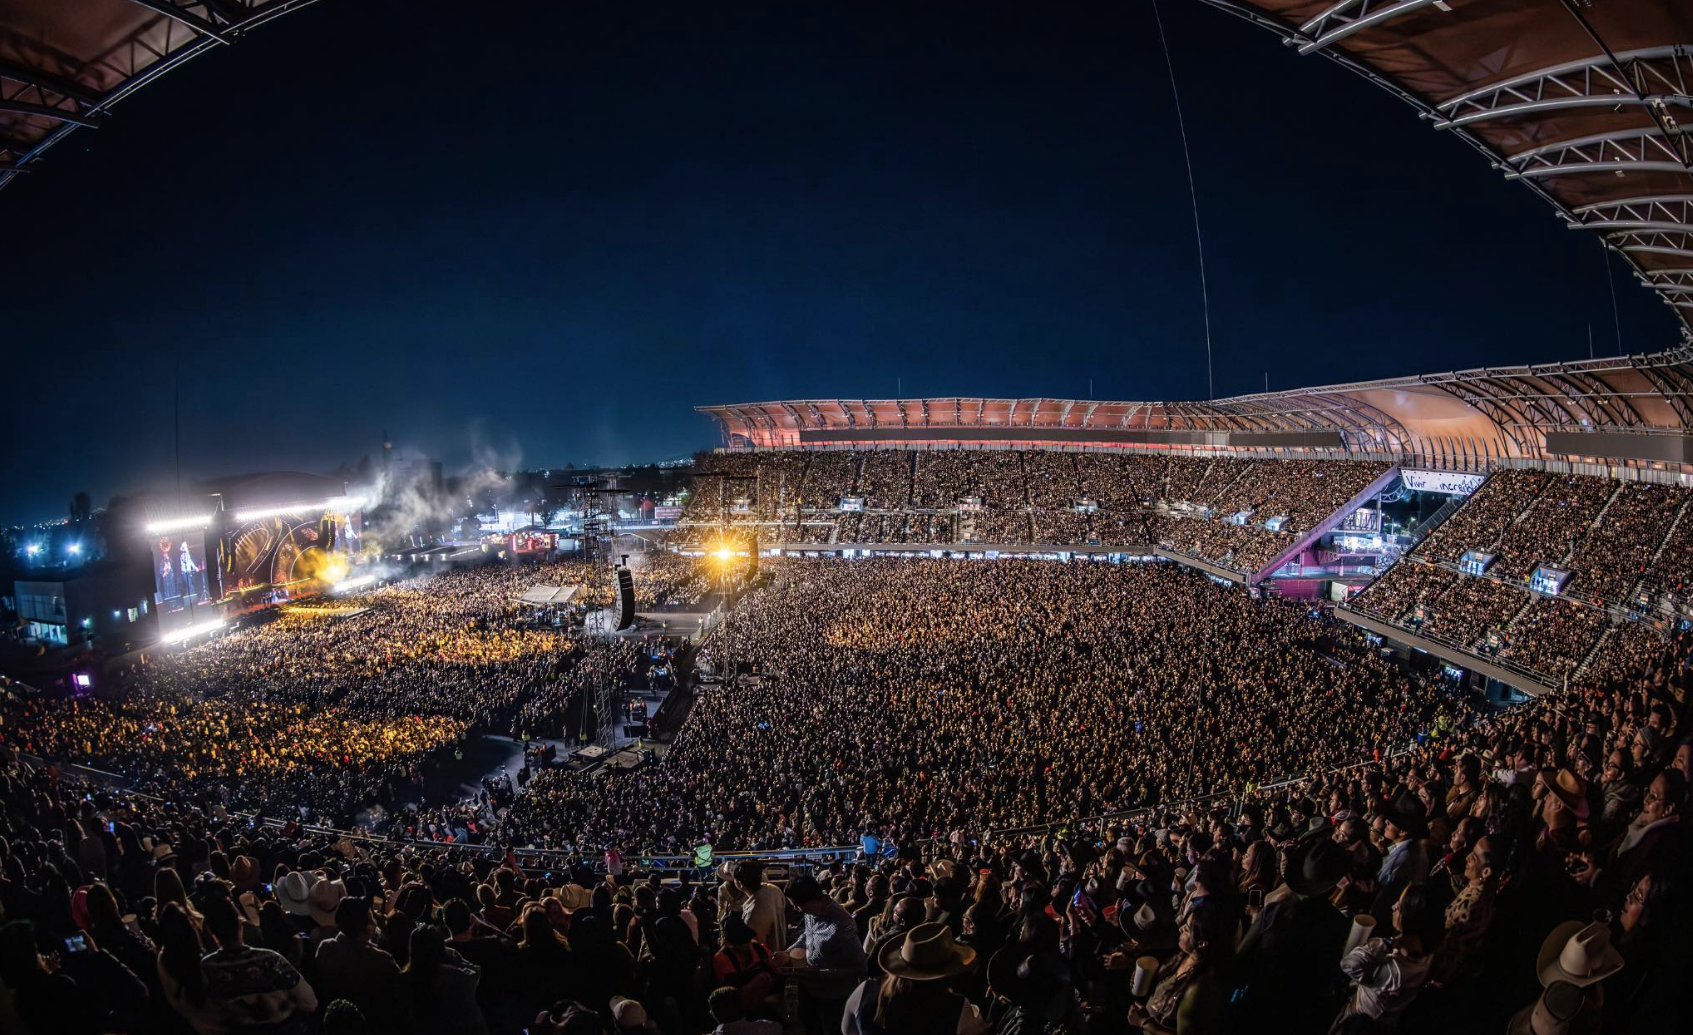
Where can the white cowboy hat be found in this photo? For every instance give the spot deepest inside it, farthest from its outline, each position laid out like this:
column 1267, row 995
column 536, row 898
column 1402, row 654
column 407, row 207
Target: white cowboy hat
column 1579, row 953
column 293, row 891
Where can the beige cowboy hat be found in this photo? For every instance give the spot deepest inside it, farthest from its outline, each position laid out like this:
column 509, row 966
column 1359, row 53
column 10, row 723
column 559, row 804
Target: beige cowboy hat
column 573, row 897
column 244, row 873
column 1560, row 1010
column 1579, row 953
column 322, row 900
column 943, row 868
column 926, row 953
column 1569, row 789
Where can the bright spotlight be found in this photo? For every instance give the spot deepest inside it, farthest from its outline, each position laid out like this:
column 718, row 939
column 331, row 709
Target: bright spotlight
column 178, row 524
column 74, row 549
column 32, row 549
column 191, row 631
column 723, row 553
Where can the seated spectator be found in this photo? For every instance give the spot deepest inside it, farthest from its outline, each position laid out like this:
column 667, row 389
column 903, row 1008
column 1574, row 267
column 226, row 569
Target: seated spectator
column 1191, row 989
column 436, row 989
column 1387, row 973
column 725, row 1007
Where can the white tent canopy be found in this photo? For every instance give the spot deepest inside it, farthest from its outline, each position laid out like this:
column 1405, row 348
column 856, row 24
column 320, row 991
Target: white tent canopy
column 542, row 596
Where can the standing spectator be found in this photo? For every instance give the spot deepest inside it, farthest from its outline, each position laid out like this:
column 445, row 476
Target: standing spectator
column 1275, row 955
column 437, row 990
column 350, row 967
column 764, row 909
column 833, row 960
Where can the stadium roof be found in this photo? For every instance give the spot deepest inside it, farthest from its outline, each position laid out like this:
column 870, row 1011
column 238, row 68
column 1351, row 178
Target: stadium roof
column 64, row 64
column 1585, row 102
column 1631, row 410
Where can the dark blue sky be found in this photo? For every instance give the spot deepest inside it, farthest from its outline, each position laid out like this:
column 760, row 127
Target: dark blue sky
column 545, row 232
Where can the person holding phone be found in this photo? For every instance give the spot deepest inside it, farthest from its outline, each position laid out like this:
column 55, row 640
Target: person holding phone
column 77, row 989
column 110, row 931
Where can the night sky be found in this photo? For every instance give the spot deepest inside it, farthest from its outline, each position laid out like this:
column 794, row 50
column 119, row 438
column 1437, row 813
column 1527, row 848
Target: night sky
column 530, row 233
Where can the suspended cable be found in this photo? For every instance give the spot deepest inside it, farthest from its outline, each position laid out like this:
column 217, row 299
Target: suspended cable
column 1193, row 198
column 1610, row 281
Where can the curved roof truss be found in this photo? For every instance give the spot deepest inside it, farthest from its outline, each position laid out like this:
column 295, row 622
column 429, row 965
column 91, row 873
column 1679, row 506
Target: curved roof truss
column 65, row 64
column 1588, row 104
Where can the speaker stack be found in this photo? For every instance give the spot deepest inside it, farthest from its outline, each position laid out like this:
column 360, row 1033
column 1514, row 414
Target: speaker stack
column 625, row 599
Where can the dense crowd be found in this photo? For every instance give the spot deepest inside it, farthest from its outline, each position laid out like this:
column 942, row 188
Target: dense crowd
column 332, row 708
column 1433, row 869
column 924, row 695
column 1240, row 513
column 1485, row 515
column 1620, row 549
column 1552, row 526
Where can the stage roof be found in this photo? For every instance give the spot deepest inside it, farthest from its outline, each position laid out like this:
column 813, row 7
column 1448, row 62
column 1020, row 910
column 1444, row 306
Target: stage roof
column 64, row 64
column 1631, row 409
column 1584, row 102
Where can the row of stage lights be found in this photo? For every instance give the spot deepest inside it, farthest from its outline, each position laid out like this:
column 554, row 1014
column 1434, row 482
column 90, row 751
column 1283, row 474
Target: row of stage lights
column 336, row 504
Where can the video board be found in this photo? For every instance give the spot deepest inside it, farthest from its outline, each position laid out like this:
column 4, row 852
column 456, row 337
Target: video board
column 181, row 580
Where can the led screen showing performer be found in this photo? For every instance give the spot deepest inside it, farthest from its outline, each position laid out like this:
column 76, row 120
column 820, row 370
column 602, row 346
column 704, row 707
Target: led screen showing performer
column 180, row 579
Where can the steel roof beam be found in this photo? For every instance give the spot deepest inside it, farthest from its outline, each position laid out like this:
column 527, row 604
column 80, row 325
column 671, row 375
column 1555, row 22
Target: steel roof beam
column 1638, row 149
column 1671, row 213
column 1654, row 77
column 1349, row 16
column 1652, row 242
column 186, row 17
column 45, row 112
column 49, row 82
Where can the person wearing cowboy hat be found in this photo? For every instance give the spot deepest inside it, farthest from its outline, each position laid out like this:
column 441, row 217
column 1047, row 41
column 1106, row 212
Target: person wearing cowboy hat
column 293, row 892
column 1290, row 931
column 322, row 901
column 914, row 992
column 1035, row 995
column 1574, row 959
column 1406, row 861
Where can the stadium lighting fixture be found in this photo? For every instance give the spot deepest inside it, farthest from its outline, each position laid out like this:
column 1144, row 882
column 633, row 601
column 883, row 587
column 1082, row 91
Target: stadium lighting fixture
column 32, row 549
column 191, row 631
column 178, row 524
column 356, row 582
column 336, row 504
column 74, row 549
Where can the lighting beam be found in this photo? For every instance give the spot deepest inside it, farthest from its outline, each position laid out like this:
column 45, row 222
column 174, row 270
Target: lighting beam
column 177, row 524
column 337, row 504
column 191, row 631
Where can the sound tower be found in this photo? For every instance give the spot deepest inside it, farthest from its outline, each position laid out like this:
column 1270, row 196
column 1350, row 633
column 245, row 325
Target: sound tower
column 625, row 598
